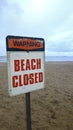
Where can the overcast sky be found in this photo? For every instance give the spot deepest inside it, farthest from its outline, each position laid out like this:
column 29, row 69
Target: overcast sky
column 49, row 19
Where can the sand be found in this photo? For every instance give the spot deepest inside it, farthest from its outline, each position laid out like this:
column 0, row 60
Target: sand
column 51, row 107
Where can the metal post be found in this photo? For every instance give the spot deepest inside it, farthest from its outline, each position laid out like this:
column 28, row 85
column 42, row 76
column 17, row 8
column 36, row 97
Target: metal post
column 28, row 111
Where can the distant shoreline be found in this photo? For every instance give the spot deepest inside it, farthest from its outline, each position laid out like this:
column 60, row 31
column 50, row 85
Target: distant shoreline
column 47, row 59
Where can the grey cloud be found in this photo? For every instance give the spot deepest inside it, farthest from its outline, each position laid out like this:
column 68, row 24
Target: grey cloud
column 15, row 21
column 63, row 46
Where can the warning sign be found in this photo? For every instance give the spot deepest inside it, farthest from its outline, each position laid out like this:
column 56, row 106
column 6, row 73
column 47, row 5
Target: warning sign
column 25, row 64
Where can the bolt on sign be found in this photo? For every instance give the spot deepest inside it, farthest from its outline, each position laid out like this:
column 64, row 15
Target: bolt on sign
column 26, row 58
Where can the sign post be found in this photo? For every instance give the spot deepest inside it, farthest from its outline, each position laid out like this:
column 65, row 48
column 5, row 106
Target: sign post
column 28, row 111
column 25, row 70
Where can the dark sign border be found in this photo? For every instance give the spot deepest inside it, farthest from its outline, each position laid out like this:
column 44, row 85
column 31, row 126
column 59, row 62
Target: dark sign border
column 21, row 37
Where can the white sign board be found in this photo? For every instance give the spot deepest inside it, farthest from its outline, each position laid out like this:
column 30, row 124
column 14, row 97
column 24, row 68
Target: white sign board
column 25, row 64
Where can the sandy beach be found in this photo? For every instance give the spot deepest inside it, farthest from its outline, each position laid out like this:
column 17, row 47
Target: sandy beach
column 51, row 107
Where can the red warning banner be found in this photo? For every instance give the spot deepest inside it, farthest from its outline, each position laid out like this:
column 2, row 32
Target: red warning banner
column 18, row 43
